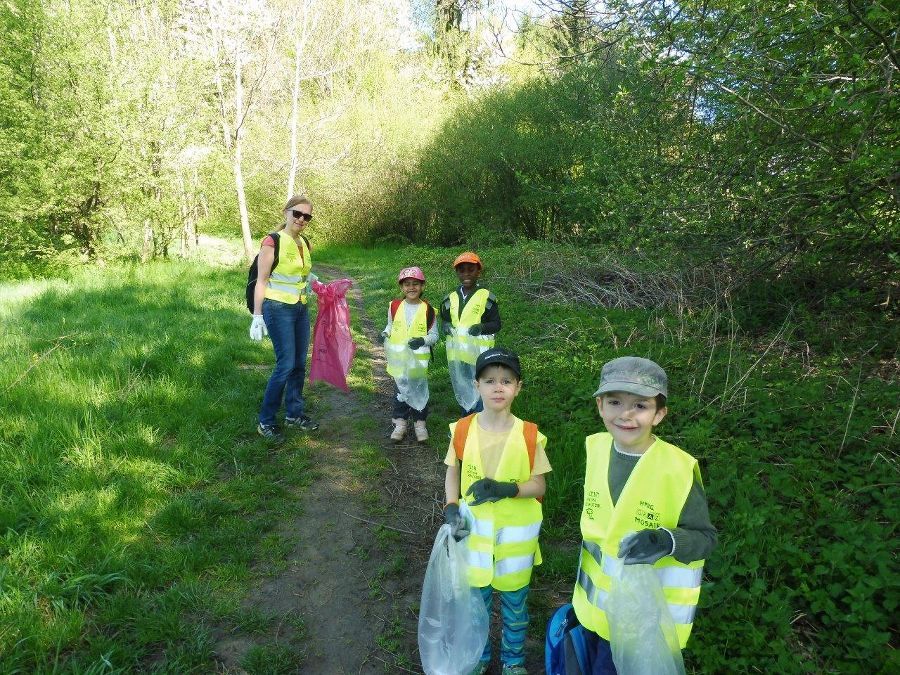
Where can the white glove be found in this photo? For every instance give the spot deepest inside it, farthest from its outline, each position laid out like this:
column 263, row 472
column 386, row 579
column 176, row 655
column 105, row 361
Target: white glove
column 258, row 328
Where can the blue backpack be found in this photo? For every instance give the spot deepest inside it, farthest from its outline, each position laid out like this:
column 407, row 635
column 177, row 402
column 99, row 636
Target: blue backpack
column 565, row 650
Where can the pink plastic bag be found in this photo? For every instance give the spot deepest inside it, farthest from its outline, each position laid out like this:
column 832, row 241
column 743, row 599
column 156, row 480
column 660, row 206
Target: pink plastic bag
column 333, row 347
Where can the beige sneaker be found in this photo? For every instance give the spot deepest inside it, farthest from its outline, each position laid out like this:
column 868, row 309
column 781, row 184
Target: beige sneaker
column 399, row 430
column 421, row 431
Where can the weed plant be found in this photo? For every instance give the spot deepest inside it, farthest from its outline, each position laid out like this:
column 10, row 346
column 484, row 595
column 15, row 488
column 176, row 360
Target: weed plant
column 795, row 431
column 134, row 492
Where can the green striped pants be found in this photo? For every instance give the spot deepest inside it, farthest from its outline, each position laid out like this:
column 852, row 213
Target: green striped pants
column 514, row 612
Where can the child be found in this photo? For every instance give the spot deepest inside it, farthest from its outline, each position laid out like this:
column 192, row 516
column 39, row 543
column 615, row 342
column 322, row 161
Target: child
column 643, row 501
column 470, row 318
column 502, row 462
column 410, row 332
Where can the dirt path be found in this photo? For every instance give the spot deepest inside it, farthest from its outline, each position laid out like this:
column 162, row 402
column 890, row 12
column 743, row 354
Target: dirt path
column 348, row 596
column 354, row 586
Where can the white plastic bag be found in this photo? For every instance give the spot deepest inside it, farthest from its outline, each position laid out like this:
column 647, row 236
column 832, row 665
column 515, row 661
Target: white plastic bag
column 413, row 391
column 641, row 630
column 453, row 621
column 462, row 377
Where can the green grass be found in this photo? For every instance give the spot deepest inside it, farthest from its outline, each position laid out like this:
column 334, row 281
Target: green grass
column 795, row 437
column 134, row 492
column 135, row 498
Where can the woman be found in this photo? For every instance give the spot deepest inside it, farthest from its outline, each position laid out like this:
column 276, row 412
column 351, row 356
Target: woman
column 280, row 310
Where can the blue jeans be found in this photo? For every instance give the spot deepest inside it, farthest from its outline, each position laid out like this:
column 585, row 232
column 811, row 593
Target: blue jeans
column 514, row 612
column 600, row 659
column 288, row 327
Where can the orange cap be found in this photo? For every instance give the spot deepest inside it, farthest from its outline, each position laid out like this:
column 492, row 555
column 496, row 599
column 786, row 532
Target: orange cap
column 467, row 257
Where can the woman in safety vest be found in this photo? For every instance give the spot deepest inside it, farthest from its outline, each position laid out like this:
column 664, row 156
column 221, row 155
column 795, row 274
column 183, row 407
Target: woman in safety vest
column 280, row 311
column 410, row 332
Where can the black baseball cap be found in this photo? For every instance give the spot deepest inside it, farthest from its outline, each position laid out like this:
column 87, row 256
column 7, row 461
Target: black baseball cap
column 498, row 356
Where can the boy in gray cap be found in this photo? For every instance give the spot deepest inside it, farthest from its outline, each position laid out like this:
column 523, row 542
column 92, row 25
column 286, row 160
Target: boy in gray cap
column 643, row 502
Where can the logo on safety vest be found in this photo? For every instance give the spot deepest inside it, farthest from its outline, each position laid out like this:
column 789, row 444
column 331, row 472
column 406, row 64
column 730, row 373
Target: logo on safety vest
column 647, row 515
column 592, row 502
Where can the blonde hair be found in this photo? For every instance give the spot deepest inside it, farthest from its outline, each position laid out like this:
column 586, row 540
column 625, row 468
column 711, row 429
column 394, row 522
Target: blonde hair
column 296, row 199
column 291, row 203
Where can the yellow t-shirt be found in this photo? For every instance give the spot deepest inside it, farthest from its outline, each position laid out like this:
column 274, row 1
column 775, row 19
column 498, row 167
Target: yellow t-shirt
column 492, row 444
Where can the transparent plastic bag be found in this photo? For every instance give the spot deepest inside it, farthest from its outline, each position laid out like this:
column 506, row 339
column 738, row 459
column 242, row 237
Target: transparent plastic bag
column 453, row 621
column 641, row 630
column 413, row 391
column 462, row 377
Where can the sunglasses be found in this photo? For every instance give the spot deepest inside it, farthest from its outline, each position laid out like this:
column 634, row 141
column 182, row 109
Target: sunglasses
column 299, row 214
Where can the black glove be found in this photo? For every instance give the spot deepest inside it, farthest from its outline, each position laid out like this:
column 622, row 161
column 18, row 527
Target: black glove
column 475, row 330
column 381, row 338
column 415, row 343
column 646, row 547
column 489, row 490
column 455, row 521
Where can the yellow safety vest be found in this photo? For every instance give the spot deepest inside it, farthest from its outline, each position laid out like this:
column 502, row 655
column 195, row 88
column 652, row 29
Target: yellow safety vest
column 288, row 281
column 401, row 360
column 502, row 545
column 462, row 346
column 653, row 497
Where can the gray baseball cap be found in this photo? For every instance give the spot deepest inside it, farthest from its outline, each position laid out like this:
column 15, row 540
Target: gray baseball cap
column 632, row 374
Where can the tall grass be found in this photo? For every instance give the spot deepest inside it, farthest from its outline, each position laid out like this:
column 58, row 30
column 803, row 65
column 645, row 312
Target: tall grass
column 134, row 492
column 796, row 437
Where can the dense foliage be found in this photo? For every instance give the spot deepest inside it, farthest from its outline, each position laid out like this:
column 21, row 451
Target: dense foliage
column 743, row 131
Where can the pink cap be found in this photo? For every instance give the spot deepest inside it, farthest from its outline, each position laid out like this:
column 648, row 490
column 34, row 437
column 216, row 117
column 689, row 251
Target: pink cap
column 411, row 273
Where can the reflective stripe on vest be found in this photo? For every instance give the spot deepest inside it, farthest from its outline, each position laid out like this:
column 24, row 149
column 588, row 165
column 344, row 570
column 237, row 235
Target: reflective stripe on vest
column 669, row 578
column 288, row 281
column 653, row 497
column 461, row 346
column 401, row 360
column 503, row 540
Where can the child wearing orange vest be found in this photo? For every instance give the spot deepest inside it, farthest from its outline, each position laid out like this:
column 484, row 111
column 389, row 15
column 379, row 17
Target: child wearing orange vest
column 496, row 465
column 643, row 502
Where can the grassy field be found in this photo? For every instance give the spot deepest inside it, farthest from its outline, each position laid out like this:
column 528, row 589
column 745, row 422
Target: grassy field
column 792, row 416
column 132, row 483
column 136, row 502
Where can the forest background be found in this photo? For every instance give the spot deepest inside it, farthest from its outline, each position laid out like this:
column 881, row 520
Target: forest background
column 725, row 171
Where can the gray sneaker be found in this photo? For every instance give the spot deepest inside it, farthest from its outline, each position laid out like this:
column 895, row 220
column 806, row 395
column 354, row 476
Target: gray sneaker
column 303, row 423
column 270, row 433
column 514, row 670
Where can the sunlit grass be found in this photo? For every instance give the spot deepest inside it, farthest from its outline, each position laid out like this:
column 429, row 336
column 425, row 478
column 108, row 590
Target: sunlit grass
column 134, row 493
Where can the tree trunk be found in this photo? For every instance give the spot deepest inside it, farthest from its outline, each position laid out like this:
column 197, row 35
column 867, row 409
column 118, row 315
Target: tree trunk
column 238, row 174
column 295, row 113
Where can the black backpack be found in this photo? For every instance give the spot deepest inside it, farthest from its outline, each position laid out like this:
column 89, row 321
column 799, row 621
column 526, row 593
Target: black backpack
column 253, row 273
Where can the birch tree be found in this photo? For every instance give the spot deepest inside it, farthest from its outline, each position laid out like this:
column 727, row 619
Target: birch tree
column 239, row 37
